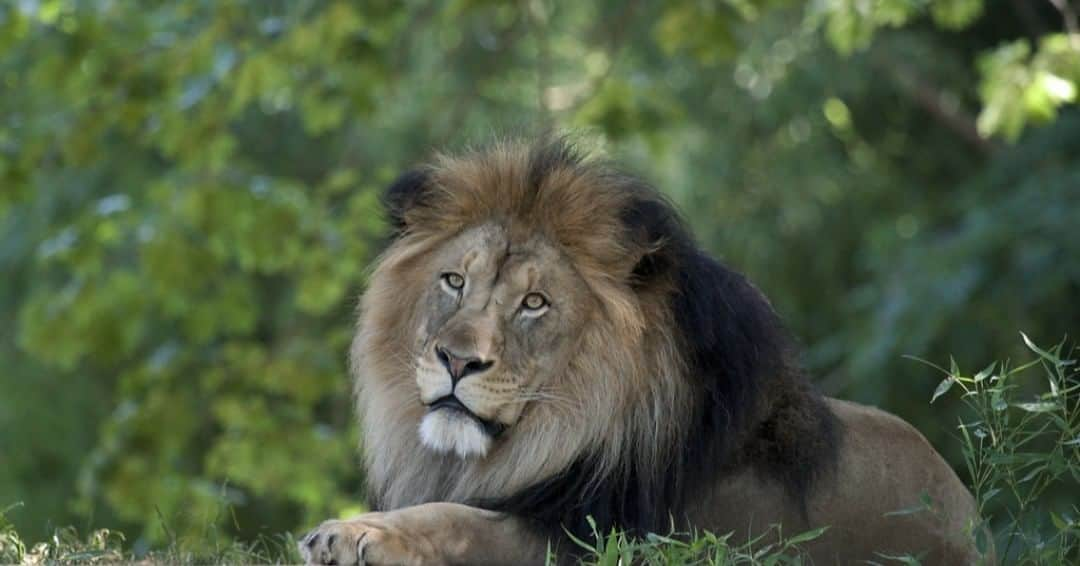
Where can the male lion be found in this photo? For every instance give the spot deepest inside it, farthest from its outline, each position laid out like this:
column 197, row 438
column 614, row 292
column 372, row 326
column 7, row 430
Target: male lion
column 543, row 342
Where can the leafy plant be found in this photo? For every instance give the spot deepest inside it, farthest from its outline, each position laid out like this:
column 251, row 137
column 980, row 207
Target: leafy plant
column 1022, row 450
column 1020, row 84
column 105, row 546
column 102, row 546
column 766, row 549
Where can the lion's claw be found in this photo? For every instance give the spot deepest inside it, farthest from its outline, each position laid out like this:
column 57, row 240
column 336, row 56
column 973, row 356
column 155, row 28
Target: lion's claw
column 368, row 539
column 330, row 544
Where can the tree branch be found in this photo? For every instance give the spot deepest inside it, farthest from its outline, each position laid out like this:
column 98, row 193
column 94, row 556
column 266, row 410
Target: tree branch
column 936, row 103
column 1069, row 17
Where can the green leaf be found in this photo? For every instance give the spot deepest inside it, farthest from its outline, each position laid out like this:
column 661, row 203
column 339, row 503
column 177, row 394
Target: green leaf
column 807, row 536
column 901, row 558
column 1032, row 474
column 1058, row 522
column 985, row 372
column 955, row 14
column 943, row 387
column 1038, row 406
column 923, row 506
column 1042, row 353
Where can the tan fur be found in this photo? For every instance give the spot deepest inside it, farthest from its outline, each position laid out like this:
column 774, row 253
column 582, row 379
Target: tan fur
column 621, row 385
column 873, row 505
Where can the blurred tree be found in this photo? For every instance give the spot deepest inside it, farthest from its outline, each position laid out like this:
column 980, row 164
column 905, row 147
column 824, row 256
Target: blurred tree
column 189, row 199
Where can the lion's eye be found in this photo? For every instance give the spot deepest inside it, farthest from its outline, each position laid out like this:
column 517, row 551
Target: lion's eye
column 455, row 281
column 534, row 301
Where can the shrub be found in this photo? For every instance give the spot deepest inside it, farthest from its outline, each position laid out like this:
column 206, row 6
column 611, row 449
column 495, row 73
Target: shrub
column 1021, row 444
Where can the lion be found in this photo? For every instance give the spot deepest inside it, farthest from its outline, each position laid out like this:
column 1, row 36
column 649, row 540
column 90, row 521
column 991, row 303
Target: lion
column 542, row 344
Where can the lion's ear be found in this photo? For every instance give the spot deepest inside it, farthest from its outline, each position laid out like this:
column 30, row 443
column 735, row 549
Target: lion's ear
column 656, row 232
column 403, row 195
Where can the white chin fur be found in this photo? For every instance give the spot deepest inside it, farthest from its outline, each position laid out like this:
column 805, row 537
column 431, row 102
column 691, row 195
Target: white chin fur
column 445, row 431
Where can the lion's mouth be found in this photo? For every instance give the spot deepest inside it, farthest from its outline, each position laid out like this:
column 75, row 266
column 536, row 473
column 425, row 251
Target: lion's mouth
column 452, row 403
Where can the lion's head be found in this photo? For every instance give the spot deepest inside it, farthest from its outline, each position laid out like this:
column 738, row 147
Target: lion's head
column 500, row 321
column 541, row 335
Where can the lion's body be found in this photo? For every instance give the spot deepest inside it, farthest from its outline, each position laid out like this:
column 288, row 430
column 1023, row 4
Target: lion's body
column 543, row 342
column 874, row 503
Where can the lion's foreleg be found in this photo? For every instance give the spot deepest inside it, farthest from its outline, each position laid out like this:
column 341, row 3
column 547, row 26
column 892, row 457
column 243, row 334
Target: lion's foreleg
column 433, row 533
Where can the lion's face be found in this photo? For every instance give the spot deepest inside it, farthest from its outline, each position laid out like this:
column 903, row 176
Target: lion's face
column 499, row 321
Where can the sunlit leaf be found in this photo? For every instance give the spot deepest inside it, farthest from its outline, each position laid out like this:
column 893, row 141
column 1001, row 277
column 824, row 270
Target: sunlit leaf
column 1038, row 406
column 943, row 387
column 986, row 372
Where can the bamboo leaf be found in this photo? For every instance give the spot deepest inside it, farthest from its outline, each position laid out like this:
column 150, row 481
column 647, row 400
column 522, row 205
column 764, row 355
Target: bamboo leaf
column 943, row 387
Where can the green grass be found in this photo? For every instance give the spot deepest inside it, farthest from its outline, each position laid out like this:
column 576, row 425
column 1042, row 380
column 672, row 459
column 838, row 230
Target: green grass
column 1021, row 445
column 104, row 546
column 767, row 549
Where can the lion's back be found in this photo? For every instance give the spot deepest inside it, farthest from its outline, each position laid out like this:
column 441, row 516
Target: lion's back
column 890, row 493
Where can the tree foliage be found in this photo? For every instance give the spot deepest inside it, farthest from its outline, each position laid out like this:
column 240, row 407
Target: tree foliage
column 190, row 200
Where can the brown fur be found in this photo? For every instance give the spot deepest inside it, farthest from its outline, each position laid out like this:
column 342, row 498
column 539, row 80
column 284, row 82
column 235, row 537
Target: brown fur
column 872, row 505
column 620, row 392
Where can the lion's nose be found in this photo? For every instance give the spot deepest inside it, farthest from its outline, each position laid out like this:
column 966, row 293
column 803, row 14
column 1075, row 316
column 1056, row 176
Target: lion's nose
column 460, row 366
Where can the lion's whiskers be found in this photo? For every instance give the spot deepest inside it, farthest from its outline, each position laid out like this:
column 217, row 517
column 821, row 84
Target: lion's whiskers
column 555, row 400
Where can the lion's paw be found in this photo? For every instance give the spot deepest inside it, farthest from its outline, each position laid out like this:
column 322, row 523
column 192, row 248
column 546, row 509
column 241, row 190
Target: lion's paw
column 368, row 539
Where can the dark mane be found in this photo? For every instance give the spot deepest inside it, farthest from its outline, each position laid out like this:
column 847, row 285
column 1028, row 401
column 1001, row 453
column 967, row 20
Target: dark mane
column 753, row 405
